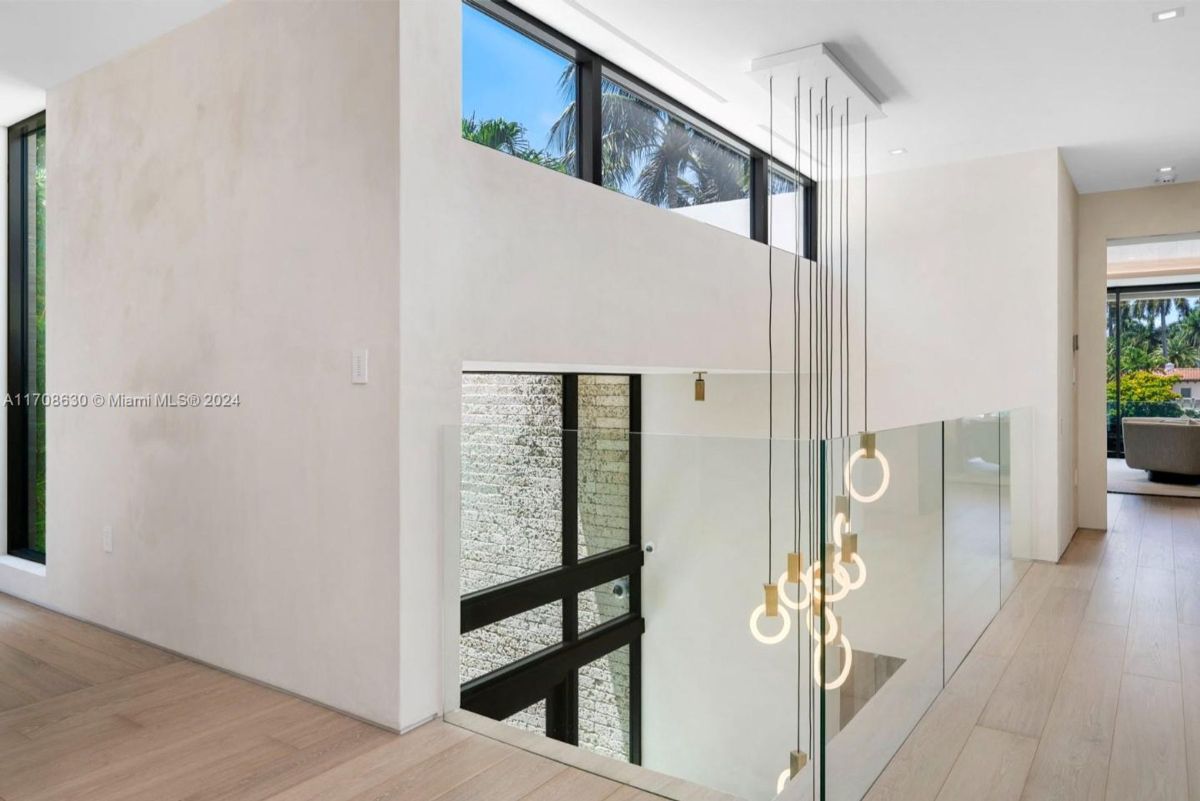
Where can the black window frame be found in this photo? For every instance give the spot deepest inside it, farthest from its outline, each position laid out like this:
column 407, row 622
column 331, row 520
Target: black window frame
column 20, row 486
column 1115, row 439
column 591, row 69
column 552, row 674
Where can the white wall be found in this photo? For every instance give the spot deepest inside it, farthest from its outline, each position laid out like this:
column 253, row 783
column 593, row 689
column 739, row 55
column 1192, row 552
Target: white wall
column 1068, row 424
column 223, row 218
column 964, row 307
column 1153, row 211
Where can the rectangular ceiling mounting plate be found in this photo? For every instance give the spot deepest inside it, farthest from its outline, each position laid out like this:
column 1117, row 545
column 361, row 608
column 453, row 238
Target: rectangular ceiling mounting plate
column 811, row 66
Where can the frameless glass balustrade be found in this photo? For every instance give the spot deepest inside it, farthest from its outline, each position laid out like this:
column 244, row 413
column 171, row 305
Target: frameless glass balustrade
column 661, row 645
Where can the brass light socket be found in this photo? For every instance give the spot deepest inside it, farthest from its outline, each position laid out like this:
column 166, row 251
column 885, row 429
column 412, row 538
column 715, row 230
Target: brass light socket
column 868, row 444
column 841, row 506
column 699, row 385
column 795, row 567
column 830, row 555
column 798, row 761
column 849, row 546
column 771, row 600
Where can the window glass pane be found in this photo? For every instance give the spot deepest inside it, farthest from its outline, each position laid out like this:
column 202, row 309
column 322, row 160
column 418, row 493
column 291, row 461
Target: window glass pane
column 604, row 603
column 511, row 517
column 604, row 708
column 603, row 463
column 786, row 193
column 518, row 96
column 492, row 647
column 36, row 332
column 531, row 718
column 652, row 155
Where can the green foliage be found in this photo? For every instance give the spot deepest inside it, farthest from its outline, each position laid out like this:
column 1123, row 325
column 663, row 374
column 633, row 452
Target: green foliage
column 1145, row 394
column 509, row 137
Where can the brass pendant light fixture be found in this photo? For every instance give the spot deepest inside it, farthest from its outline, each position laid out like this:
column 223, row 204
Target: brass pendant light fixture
column 824, row 492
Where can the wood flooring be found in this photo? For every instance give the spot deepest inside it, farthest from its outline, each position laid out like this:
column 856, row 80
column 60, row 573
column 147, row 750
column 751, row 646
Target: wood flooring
column 1086, row 686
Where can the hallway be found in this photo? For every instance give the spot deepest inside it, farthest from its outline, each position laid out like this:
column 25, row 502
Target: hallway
column 1086, row 685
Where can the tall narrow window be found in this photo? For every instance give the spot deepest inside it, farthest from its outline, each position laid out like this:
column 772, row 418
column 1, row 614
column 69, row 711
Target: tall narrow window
column 551, row 556
column 27, row 338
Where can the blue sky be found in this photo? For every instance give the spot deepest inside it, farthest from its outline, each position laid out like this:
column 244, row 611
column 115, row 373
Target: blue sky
column 507, row 75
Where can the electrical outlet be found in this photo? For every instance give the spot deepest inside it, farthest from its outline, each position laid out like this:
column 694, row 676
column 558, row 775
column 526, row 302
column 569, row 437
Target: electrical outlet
column 108, row 539
column 358, row 366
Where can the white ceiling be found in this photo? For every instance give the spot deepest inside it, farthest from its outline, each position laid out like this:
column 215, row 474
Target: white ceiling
column 45, row 42
column 959, row 79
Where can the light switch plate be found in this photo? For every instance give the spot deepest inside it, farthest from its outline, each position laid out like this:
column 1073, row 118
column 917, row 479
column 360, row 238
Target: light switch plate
column 358, row 366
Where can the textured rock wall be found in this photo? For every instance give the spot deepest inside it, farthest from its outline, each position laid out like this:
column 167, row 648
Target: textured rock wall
column 511, row 527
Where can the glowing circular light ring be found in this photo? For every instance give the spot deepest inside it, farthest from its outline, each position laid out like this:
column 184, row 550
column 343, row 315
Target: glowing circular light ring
column 840, row 529
column 842, row 578
column 841, row 678
column 773, row 639
column 832, row 630
column 783, row 780
column 883, row 485
column 862, row 573
column 787, row 600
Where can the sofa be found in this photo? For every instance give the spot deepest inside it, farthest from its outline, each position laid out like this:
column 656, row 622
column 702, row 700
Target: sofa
column 1167, row 447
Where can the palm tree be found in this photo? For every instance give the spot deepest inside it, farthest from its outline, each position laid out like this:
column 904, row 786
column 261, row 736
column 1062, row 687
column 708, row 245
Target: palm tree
column 1181, row 352
column 662, row 159
column 509, row 137
column 1188, row 327
column 498, row 134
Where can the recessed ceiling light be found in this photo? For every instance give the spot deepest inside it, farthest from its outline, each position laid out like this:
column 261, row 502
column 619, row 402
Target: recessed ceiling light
column 1168, row 14
column 898, row 151
column 1165, row 169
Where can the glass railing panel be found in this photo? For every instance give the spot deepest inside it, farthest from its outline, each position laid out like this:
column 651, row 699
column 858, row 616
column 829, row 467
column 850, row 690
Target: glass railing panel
column 971, row 563
column 1016, row 498
column 697, row 695
column 664, row 650
column 892, row 614
column 720, row 707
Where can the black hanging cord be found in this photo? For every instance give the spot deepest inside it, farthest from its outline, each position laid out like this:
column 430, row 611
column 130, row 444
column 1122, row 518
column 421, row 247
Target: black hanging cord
column 770, row 341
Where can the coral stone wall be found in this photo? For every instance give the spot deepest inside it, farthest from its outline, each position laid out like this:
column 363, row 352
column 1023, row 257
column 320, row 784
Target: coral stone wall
column 511, row 527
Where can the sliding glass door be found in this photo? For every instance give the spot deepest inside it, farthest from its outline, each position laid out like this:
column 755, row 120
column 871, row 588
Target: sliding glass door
column 1153, row 360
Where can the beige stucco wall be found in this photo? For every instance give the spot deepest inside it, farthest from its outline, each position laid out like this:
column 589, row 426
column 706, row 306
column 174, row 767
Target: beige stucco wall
column 224, row 218
column 1152, row 211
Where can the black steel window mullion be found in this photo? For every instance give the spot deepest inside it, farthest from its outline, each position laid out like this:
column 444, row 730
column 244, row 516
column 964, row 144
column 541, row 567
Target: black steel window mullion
column 514, row 687
column 569, row 692
column 491, row 605
column 635, row 577
column 810, row 220
column 760, row 193
column 590, row 119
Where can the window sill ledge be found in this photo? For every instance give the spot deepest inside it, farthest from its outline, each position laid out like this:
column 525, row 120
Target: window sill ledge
column 24, row 565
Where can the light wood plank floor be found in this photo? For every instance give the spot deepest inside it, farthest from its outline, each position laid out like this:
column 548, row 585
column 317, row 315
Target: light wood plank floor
column 1086, row 685
column 87, row 714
